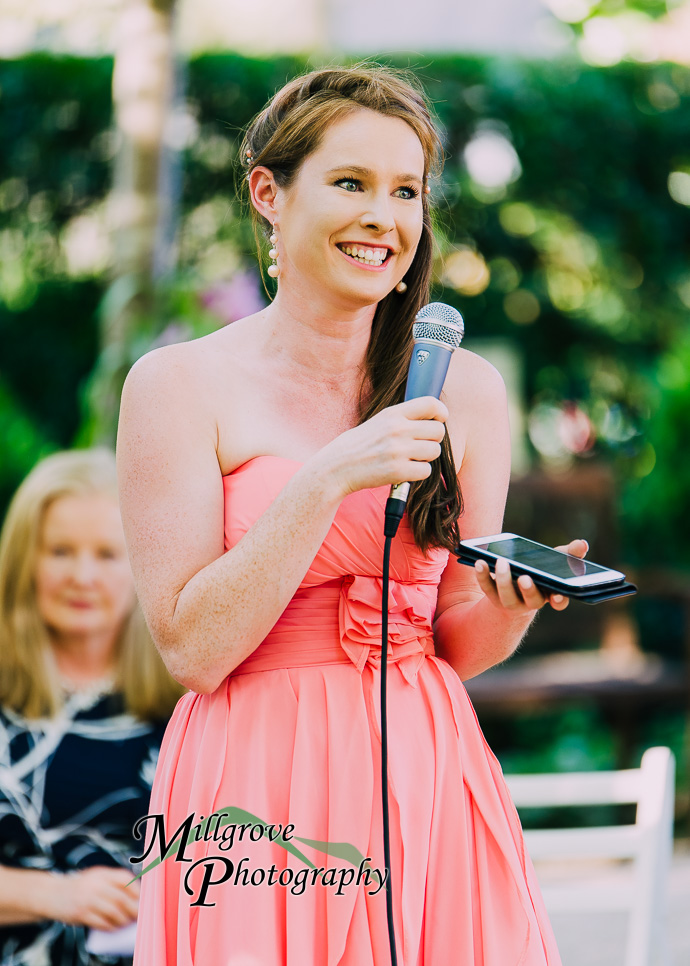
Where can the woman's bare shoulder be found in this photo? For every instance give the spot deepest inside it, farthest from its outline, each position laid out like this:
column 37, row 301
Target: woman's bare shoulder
column 475, row 394
column 193, row 366
column 473, row 375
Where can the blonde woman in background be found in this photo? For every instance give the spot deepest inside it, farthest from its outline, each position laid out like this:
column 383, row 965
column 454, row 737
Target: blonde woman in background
column 83, row 702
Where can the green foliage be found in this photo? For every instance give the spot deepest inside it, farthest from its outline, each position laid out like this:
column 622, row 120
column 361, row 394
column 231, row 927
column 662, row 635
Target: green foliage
column 54, row 176
column 48, row 348
column 580, row 737
column 224, row 93
column 54, row 167
column 577, row 256
column 583, row 253
column 579, row 259
column 649, row 9
column 656, row 498
column 23, row 444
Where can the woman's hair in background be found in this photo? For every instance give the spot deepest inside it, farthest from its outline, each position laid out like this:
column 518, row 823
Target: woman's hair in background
column 280, row 138
column 29, row 681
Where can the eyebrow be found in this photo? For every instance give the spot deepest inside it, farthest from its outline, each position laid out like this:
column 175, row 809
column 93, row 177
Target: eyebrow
column 367, row 172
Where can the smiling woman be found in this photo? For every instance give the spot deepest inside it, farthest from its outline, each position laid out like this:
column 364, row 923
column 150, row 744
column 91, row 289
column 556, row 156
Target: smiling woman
column 83, row 698
column 370, row 209
column 383, row 150
column 254, row 466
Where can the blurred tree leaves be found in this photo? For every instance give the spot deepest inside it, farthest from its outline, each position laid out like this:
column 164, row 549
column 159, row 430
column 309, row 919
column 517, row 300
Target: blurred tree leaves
column 556, row 231
column 57, row 145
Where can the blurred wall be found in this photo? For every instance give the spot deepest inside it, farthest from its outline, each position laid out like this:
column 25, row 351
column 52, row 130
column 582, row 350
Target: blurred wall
column 602, row 34
column 271, row 26
column 360, row 26
column 256, row 26
column 492, row 26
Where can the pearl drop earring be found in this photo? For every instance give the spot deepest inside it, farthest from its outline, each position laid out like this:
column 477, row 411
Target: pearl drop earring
column 401, row 288
column 273, row 269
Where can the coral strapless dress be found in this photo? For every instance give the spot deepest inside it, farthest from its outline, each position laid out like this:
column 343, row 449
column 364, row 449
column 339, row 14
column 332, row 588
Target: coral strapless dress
column 292, row 736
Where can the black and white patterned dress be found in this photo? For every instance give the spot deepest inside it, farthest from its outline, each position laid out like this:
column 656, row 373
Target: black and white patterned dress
column 71, row 789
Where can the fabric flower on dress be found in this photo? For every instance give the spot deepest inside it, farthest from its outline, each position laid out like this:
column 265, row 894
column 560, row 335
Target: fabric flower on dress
column 410, row 613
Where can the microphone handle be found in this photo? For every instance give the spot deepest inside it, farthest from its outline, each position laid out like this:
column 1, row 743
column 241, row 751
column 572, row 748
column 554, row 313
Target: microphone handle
column 425, row 377
column 428, row 369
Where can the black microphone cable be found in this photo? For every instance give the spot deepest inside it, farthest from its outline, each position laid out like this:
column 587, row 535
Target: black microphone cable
column 394, row 512
column 437, row 332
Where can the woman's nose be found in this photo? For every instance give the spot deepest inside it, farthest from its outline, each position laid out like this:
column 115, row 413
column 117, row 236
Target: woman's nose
column 378, row 214
column 85, row 568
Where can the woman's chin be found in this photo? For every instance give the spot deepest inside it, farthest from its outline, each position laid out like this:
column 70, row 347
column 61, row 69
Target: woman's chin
column 364, row 292
column 82, row 625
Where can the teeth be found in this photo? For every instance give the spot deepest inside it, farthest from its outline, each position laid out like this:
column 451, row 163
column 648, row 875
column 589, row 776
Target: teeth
column 366, row 255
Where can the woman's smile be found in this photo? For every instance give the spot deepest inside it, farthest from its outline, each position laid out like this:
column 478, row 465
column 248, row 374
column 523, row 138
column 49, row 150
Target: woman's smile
column 365, row 255
column 361, row 193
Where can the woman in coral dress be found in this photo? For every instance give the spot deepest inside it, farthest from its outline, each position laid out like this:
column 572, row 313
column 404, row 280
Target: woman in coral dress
column 254, row 467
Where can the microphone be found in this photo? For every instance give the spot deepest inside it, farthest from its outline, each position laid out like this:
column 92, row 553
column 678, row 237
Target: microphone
column 437, row 333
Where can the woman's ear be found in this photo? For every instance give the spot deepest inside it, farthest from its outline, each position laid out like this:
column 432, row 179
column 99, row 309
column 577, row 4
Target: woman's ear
column 263, row 191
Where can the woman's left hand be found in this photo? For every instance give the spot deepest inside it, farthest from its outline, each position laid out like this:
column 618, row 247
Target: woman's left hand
column 523, row 597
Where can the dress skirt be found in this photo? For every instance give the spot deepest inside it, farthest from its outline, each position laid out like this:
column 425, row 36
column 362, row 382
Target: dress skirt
column 288, row 749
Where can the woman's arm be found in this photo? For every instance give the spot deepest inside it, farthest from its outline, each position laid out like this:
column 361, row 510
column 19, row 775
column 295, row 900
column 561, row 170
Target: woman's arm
column 479, row 622
column 208, row 610
column 99, row 897
column 25, row 895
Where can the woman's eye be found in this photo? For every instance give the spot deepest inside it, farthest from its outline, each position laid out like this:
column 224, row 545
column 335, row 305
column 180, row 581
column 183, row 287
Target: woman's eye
column 408, row 192
column 350, row 184
column 59, row 551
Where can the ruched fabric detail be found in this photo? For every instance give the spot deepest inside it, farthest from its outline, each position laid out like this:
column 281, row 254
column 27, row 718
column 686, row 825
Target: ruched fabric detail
column 293, row 736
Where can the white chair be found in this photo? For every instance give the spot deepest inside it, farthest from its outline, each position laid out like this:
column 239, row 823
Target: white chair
column 648, row 843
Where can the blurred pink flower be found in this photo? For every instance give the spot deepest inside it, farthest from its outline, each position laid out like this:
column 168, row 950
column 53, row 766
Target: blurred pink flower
column 234, row 299
column 173, row 333
column 575, row 429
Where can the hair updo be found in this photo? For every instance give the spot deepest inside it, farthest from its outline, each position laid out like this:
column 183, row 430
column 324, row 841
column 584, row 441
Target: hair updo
column 288, row 130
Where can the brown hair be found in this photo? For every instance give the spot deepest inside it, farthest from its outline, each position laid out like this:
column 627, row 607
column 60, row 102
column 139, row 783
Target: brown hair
column 28, row 679
column 280, row 138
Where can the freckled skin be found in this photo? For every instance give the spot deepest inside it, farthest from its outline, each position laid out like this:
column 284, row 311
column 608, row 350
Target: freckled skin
column 286, row 382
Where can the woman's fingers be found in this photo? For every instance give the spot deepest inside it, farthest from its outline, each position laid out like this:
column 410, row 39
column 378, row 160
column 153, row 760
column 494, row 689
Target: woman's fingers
column 427, row 450
column 502, row 591
column 499, row 587
column 98, row 897
column 558, row 601
column 429, row 429
column 576, row 548
column 505, row 588
column 424, row 407
column 531, row 594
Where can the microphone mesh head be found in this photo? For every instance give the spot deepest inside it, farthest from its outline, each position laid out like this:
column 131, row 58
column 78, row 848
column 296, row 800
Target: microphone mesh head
column 439, row 323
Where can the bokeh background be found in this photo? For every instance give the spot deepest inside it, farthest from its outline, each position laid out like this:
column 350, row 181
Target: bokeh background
column 563, row 236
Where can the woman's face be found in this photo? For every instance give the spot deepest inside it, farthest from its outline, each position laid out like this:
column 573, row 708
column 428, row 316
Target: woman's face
column 361, row 191
column 84, row 584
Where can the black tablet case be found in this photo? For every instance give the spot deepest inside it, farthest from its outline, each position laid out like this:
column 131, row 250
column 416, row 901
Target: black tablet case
column 588, row 595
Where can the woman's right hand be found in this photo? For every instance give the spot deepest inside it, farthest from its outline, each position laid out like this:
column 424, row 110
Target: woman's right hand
column 396, row 445
column 98, row 898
